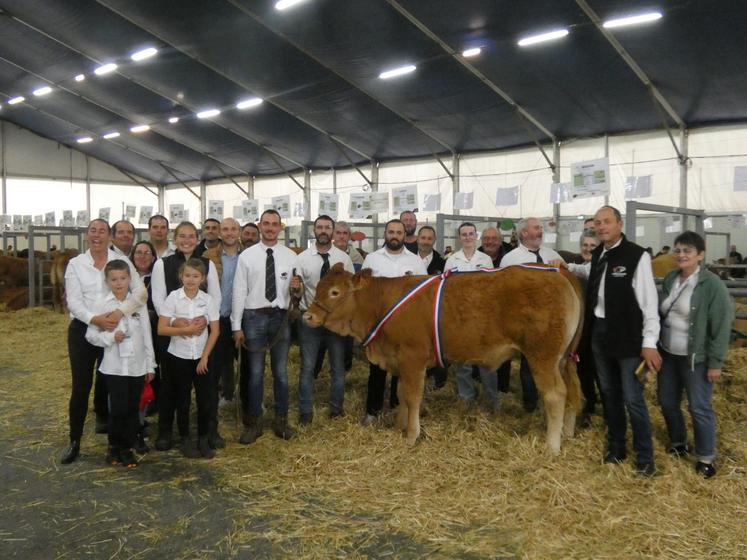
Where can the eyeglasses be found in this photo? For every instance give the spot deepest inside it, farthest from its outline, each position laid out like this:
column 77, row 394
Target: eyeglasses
column 143, row 253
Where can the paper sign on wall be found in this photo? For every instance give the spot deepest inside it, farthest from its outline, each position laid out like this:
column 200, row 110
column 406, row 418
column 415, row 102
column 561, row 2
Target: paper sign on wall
column 215, row 209
column 574, row 236
column 67, row 218
column 81, row 220
column 379, row 202
column 463, row 200
column 104, row 213
column 360, row 205
column 298, row 210
column 39, row 220
column 560, row 192
column 17, row 222
column 145, row 213
column 740, row 178
column 49, row 219
column 405, row 198
column 590, row 178
column 176, row 213
column 507, row 196
column 130, row 212
column 26, row 222
column 282, row 205
column 328, row 204
column 637, row 187
column 250, row 210
column 6, row 222
column 550, row 237
column 432, row 203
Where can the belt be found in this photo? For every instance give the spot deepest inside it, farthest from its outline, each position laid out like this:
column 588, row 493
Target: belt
column 269, row 310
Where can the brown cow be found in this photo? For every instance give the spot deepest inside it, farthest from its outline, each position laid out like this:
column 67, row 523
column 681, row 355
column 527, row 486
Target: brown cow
column 663, row 265
column 57, row 276
column 486, row 317
column 14, row 272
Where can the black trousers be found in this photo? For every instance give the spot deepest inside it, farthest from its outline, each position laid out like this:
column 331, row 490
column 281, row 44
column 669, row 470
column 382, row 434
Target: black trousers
column 377, row 389
column 124, row 413
column 84, row 359
column 587, row 374
column 176, row 396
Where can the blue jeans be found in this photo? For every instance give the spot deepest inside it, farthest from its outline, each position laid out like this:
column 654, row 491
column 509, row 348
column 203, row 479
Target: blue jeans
column 466, row 385
column 260, row 330
column 676, row 375
column 310, row 340
column 622, row 391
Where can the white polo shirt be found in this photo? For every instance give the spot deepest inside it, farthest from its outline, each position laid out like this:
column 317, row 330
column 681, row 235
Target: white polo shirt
column 158, row 285
column 249, row 280
column 460, row 262
column 522, row 255
column 179, row 306
column 85, row 284
column 309, row 268
column 393, row 265
column 133, row 357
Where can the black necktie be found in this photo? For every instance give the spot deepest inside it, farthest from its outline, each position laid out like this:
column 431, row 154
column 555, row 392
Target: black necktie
column 325, row 265
column 595, row 278
column 537, row 254
column 270, row 290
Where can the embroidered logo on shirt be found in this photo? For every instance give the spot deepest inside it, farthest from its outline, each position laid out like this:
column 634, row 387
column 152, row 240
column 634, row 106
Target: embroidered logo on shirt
column 283, row 275
column 408, row 272
column 619, row 271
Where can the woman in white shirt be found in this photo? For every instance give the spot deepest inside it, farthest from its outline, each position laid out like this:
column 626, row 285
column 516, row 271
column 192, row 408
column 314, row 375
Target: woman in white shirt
column 187, row 355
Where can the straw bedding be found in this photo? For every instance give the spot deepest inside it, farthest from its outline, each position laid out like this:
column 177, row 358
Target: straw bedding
column 477, row 486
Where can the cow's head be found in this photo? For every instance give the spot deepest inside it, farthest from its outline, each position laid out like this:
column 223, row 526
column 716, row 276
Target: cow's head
column 333, row 305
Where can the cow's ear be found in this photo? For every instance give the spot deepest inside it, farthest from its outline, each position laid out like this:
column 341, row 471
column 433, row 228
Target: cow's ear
column 360, row 279
column 339, row 267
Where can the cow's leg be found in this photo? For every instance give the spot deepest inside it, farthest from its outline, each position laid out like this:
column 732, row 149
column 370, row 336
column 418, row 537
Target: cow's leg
column 552, row 388
column 412, row 383
column 400, row 421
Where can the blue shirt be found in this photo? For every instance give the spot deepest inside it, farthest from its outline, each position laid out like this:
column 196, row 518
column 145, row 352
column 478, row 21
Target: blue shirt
column 226, row 282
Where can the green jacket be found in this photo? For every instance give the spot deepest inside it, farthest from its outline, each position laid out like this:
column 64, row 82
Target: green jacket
column 711, row 317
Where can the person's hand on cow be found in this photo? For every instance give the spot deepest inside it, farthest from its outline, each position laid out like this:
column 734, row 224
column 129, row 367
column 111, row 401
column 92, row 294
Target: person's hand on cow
column 119, row 336
column 238, row 338
column 558, row 263
column 652, row 358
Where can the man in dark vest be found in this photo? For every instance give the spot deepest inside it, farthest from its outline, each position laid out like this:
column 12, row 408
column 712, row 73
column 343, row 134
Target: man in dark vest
column 622, row 319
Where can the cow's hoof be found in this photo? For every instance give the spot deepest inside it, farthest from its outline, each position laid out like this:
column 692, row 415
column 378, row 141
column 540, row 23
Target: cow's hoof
column 554, row 450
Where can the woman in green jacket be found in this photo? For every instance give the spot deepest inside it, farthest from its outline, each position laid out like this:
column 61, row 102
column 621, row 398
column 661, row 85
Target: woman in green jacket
column 696, row 317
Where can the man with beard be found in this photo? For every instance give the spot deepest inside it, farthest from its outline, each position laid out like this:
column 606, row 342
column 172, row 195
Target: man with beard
column 410, row 221
column 313, row 264
column 529, row 250
column 391, row 261
column 249, row 235
column 123, row 236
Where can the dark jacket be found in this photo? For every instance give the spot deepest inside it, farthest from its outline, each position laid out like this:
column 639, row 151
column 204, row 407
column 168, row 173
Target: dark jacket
column 437, row 263
column 502, row 250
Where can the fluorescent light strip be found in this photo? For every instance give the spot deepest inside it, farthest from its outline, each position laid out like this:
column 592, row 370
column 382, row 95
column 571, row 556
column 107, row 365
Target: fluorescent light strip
column 84, row 140
column 247, row 103
column 139, row 128
column 394, row 72
column 541, row 38
column 143, row 54
column 44, row 90
column 632, row 20
column 285, row 4
column 208, row 113
column 15, row 100
column 111, row 135
column 174, row 120
column 80, row 77
column 105, row 69
column 471, row 52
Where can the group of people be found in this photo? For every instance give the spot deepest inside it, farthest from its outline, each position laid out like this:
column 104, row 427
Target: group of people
column 231, row 292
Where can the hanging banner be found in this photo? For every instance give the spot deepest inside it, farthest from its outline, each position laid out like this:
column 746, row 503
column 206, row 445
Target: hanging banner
column 360, row 205
column 177, row 214
column 379, row 202
column 6, row 222
column 740, row 178
column 39, row 220
column 560, row 192
column 17, row 222
column 282, row 205
column 507, row 196
column 215, row 209
column 104, row 214
column 26, row 222
column 637, row 187
column 249, row 210
column 432, row 203
column 328, row 204
column 130, row 212
column 49, row 219
column 405, row 198
column 463, row 200
column 298, row 210
column 82, row 219
column 67, row 219
column 145, row 213
column 590, row 178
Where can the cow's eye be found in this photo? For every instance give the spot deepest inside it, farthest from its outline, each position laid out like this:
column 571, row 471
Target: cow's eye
column 334, row 292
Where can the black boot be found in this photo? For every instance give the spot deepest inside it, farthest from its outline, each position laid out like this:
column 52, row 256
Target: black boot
column 140, row 445
column 203, row 446
column 282, row 429
column 164, row 442
column 72, row 452
column 102, row 425
column 215, row 440
column 252, row 430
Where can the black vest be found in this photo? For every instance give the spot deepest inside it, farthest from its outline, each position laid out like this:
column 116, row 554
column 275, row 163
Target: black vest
column 171, row 266
column 623, row 315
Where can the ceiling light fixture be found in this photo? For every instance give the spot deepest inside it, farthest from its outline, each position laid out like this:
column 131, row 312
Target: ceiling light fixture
column 80, row 77
column 632, row 20
column 105, row 69
column 471, row 52
column 84, row 140
column 139, row 128
column 542, row 37
column 208, row 113
column 143, row 54
column 174, row 120
column 110, row 135
column 285, row 4
column 247, row 103
column 44, row 90
column 394, row 72
column 14, row 100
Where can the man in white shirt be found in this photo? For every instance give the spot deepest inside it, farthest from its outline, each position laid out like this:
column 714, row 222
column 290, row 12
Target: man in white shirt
column 264, row 277
column 313, row 264
column 469, row 259
column 123, row 236
column 391, row 261
column 529, row 250
column 158, row 231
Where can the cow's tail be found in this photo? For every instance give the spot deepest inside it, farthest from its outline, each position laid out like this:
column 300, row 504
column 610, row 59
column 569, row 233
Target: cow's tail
column 568, row 369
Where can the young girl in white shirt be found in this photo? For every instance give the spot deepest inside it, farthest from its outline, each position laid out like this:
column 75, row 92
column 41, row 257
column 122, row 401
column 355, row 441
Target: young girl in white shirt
column 188, row 353
column 128, row 361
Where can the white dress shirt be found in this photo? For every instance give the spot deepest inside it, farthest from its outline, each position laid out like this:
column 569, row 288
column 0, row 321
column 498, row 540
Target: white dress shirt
column 158, row 285
column 179, row 306
column 522, row 255
column 309, row 268
column 249, row 280
column 134, row 356
column 460, row 262
column 393, row 265
column 117, row 250
column 170, row 250
column 427, row 259
column 85, row 284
